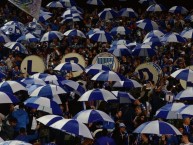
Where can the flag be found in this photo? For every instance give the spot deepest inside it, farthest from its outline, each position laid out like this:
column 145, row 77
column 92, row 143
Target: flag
column 32, row 7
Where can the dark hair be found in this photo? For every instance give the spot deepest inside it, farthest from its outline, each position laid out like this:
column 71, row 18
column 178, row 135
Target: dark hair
column 12, row 119
column 21, row 105
column 22, row 130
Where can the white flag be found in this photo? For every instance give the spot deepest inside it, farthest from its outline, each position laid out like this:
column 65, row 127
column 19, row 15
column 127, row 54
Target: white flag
column 32, row 7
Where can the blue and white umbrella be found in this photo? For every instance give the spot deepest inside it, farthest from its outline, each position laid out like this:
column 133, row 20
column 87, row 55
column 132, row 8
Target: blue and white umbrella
column 108, row 76
column 44, row 17
column 97, row 94
column 69, row 66
column 169, row 111
column 120, row 30
column 189, row 18
column 101, row 36
column 43, row 104
column 95, row 2
column 51, row 78
column 39, row 75
column 16, row 46
column 178, row 9
column 68, row 3
column 147, row 24
column 156, row 8
column 74, row 32
column 32, row 81
column 72, row 15
column 157, row 127
column 143, row 50
column 28, row 37
column 120, row 50
column 147, row 2
column 48, row 90
column 173, row 37
column 153, row 41
column 124, row 97
column 121, row 42
column 96, row 68
column 69, row 126
column 14, row 142
column 11, row 86
column 4, row 38
column 6, row 97
column 127, row 12
column 49, row 36
column 187, row 34
column 55, row 4
column 107, row 14
column 2, row 75
column 183, row 74
column 152, row 33
column 185, row 94
column 90, row 116
column 92, row 31
column 186, row 111
column 129, row 83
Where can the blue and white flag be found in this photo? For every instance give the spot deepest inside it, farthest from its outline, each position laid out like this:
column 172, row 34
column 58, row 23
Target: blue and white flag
column 32, row 7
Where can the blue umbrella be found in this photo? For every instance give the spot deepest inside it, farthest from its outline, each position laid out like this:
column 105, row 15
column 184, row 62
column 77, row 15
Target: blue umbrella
column 169, row 111
column 156, row 8
column 124, row 97
column 183, row 74
column 97, row 94
column 185, row 95
column 92, row 31
column 74, row 32
column 157, row 127
column 147, row 24
column 107, row 14
column 4, row 38
column 121, row 42
column 120, row 50
column 11, row 86
column 68, row 3
column 69, row 126
column 96, row 68
column 127, row 12
column 173, row 37
column 178, row 9
column 16, row 46
column 55, row 4
column 143, row 50
column 14, row 142
column 39, row 75
column 101, row 36
column 152, row 33
column 108, row 76
column 28, row 37
column 43, row 104
column 147, row 2
column 95, row 2
column 32, row 81
column 49, row 36
column 105, row 140
column 127, row 84
column 44, row 17
column 69, row 66
column 6, row 97
column 187, row 34
column 90, row 116
column 120, row 30
column 71, row 15
column 48, row 90
column 154, row 41
column 16, row 27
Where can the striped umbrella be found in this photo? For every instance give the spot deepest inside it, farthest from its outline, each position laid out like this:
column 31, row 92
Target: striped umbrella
column 69, row 66
column 49, row 36
column 44, row 17
column 6, row 97
column 32, row 81
column 187, row 34
column 183, row 74
column 120, row 42
column 178, row 9
column 28, row 37
column 11, row 86
column 14, row 142
column 170, row 111
column 173, row 37
column 120, row 50
column 185, row 95
column 43, row 104
column 186, row 111
column 39, row 75
column 2, row 75
column 157, row 127
column 96, row 68
column 74, row 32
column 153, row 33
column 107, row 14
column 147, row 24
column 71, row 15
column 108, row 76
column 92, row 31
column 68, row 3
column 90, row 116
column 143, row 50
column 95, row 2
column 4, row 38
column 147, row 2
column 16, row 46
column 156, row 8
column 97, row 94
column 129, row 83
column 69, row 126
column 127, row 12
column 120, row 30
column 153, row 41
column 124, row 97
column 55, row 4
column 101, row 36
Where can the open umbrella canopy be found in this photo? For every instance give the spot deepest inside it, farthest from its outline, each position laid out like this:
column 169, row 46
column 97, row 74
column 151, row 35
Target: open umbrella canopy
column 68, row 3
column 14, row 142
column 127, row 12
column 186, row 111
column 32, row 81
column 69, row 66
column 39, row 75
column 156, row 8
column 147, row 2
column 71, row 15
column 154, row 41
column 96, row 68
column 97, row 94
column 187, row 34
column 69, row 126
column 16, row 46
column 183, row 74
column 170, row 111
column 43, row 104
column 74, row 32
column 11, row 86
column 107, row 14
column 120, row 30
column 173, row 37
column 157, row 127
column 55, row 4
column 51, row 35
column 4, row 38
column 6, row 97
column 108, row 76
column 129, row 83
column 178, row 9
column 120, row 50
column 28, row 37
column 124, row 97
column 89, row 116
column 144, row 50
column 153, row 33
column 185, row 95
column 95, row 2
column 101, row 36
column 147, row 24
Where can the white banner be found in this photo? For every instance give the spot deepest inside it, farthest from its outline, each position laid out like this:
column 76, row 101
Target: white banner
column 32, row 7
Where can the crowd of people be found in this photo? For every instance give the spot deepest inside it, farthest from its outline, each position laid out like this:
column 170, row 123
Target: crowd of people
column 19, row 122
